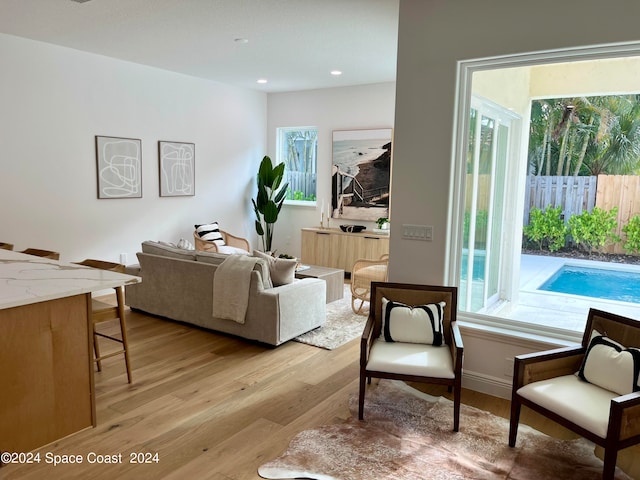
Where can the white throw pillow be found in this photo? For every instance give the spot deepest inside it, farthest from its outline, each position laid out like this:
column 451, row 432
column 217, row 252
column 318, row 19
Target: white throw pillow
column 610, row 365
column 185, row 244
column 282, row 270
column 210, row 232
column 418, row 324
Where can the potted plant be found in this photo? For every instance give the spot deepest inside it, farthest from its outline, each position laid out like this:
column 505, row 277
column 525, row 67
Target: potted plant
column 269, row 200
column 383, row 223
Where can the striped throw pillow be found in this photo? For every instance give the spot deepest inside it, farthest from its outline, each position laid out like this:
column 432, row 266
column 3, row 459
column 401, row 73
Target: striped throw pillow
column 419, row 324
column 210, row 232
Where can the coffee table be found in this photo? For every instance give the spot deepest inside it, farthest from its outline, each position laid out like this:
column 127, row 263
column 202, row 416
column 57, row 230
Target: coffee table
column 334, row 277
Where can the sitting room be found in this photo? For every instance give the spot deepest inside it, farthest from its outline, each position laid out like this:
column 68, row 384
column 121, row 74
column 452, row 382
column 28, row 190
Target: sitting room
column 127, row 126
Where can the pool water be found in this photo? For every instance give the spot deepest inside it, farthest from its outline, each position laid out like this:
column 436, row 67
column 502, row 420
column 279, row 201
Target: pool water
column 595, row 283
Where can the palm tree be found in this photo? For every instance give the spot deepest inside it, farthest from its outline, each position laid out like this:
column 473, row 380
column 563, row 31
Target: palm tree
column 585, row 135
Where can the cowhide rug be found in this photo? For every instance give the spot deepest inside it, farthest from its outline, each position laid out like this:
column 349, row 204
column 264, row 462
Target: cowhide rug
column 407, row 435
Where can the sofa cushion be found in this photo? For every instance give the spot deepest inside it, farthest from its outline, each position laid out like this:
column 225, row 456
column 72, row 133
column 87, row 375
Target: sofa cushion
column 210, row 232
column 418, row 324
column 165, row 250
column 281, row 270
column 213, row 258
column 610, row 365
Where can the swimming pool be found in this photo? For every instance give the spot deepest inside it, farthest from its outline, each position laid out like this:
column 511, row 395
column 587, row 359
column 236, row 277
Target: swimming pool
column 623, row 286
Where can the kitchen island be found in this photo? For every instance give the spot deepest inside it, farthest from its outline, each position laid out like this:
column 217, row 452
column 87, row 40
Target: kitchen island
column 46, row 353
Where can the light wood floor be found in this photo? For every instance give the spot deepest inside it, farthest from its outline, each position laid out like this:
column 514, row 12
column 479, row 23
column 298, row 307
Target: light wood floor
column 213, row 406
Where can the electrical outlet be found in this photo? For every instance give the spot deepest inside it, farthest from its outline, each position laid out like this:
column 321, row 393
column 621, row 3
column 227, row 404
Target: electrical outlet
column 508, row 367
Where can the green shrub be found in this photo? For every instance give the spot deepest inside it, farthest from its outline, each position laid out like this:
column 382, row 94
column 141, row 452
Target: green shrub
column 632, row 231
column 299, row 195
column 594, row 229
column 546, row 228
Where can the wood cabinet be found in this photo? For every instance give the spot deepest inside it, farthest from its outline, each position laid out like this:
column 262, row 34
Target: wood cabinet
column 331, row 247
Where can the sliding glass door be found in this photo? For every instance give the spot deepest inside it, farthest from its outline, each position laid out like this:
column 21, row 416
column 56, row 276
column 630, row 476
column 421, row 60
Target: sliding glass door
column 489, row 140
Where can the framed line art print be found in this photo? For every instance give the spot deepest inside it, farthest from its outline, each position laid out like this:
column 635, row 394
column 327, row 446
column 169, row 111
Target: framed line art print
column 177, row 168
column 119, row 163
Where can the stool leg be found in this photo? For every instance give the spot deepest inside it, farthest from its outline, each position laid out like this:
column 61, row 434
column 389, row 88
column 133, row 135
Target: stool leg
column 123, row 330
column 96, row 349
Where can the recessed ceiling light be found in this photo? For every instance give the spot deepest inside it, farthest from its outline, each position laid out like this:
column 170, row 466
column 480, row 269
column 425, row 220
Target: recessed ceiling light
column 241, row 40
column 262, row 80
column 336, row 73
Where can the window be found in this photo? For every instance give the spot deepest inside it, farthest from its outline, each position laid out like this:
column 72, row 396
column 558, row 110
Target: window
column 499, row 285
column 298, row 150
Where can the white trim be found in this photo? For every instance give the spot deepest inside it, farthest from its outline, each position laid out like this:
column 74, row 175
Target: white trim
column 302, row 203
column 487, row 384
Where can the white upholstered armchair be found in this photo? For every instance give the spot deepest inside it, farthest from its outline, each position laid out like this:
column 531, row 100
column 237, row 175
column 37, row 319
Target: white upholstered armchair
column 591, row 389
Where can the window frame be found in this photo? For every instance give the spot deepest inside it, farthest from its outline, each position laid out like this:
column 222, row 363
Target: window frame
column 455, row 223
column 280, row 156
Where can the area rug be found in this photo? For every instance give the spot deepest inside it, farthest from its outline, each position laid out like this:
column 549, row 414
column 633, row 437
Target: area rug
column 407, row 435
column 341, row 326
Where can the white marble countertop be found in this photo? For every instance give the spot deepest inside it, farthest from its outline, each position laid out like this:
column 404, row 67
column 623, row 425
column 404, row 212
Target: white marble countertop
column 25, row 279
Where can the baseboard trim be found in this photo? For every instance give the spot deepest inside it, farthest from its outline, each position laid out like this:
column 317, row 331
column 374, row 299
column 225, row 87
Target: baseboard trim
column 488, row 384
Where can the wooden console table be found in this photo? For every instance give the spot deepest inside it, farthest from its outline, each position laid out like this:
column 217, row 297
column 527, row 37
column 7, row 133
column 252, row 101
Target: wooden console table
column 46, row 354
column 331, row 247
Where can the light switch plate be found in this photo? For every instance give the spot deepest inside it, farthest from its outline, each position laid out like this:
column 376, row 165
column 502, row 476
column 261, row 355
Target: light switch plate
column 417, row 232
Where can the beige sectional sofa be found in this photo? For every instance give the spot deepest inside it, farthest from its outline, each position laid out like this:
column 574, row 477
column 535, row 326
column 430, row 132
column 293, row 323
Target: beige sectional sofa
column 178, row 284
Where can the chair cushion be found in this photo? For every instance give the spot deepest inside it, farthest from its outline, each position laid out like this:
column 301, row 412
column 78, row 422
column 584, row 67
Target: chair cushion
column 228, row 250
column 610, row 365
column 210, row 232
column 418, row 324
column 410, row 359
column 570, row 397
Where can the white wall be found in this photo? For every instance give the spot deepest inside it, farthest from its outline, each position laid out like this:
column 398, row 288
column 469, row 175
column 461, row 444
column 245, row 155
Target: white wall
column 433, row 36
column 55, row 100
column 346, row 108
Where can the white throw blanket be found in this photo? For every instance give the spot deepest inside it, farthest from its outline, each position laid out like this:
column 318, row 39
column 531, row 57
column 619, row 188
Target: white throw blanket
column 231, row 284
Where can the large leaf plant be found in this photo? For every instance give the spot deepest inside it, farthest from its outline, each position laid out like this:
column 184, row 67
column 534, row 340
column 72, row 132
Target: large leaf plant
column 269, row 199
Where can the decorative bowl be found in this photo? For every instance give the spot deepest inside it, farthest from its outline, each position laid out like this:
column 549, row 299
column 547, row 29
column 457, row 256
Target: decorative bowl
column 352, row 228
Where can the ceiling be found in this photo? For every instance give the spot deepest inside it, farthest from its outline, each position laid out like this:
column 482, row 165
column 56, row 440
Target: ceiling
column 294, row 44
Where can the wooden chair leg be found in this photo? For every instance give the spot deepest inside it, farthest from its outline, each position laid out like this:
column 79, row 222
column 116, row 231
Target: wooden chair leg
column 515, row 419
column 609, row 469
column 361, row 396
column 457, row 395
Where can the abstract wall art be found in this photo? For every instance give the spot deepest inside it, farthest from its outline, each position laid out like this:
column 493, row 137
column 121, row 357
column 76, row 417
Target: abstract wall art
column 177, row 168
column 119, row 162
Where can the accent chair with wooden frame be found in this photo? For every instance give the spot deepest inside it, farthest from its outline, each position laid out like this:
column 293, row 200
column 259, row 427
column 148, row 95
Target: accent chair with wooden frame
column 42, row 253
column 363, row 272
column 412, row 362
column 547, row 382
column 230, row 241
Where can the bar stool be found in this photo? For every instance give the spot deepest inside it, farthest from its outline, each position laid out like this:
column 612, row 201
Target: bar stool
column 102, row 312
column 42, row 253
column 6, row 246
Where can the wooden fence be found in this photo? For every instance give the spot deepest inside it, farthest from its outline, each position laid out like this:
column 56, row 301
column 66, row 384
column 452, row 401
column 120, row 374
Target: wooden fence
column 576, row 194
column 573, row 194
column 623, row 192
column 304, row 182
